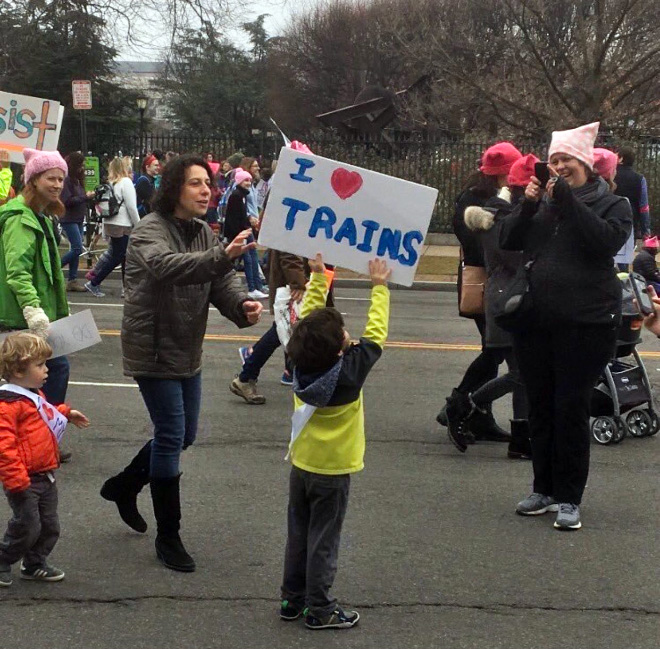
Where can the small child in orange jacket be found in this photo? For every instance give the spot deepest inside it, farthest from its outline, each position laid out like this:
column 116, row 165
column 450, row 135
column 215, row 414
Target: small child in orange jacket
column 30, row 429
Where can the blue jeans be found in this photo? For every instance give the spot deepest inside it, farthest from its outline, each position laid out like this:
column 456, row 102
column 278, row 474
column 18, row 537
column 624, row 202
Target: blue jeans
column 261, row 352
column 251, row 265
column 116, row 254
column 74, row 233
column 173, row 406
column 58, row 380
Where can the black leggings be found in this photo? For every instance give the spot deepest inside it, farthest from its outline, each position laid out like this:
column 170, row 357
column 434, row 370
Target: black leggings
column 484, row 367
column 559, row 368
column 502, row 385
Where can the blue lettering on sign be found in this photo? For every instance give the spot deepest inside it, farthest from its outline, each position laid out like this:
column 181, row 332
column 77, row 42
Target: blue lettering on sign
column 390, row 242
column 347, row 231
column 303, row 165
column 294, row 206
column 369, row 228
column 411, row 259
column 324, row 218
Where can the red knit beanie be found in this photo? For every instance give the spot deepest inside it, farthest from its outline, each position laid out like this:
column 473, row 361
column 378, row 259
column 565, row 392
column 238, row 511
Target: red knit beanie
column 522, row 171
column 497, row 159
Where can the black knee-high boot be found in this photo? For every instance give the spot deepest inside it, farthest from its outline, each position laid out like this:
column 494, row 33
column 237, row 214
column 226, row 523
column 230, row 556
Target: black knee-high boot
column 167, row 509
column 123, row 488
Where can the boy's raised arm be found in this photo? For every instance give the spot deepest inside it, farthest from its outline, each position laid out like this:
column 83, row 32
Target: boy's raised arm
column 379, row 311
column 317, row 291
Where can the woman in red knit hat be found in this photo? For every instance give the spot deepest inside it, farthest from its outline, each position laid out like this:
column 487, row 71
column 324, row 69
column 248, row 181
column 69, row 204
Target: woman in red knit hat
column 482, row 185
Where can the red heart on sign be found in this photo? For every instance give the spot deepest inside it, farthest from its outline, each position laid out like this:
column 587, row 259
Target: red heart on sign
column 49, row 412
column 345, row 183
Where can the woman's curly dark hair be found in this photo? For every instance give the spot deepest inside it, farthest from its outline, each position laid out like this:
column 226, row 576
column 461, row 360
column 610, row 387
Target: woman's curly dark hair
column 172, row 179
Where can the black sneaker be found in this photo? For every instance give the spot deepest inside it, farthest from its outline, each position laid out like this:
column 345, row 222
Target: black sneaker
column 5, row 578
column 42, row 573
column 336, row 620
column 290, row 612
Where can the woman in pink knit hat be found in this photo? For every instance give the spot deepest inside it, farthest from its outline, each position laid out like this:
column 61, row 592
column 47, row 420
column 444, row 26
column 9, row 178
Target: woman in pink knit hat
column 569, row 230
column 32, row 286
column 496, row 162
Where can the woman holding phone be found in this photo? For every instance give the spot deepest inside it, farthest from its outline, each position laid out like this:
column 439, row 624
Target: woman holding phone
column 570, row 228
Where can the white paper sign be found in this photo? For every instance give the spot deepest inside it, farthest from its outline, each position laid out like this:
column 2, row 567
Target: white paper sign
column 82, row 95
column 348, row 214
column 28, row 122
column 71, row 334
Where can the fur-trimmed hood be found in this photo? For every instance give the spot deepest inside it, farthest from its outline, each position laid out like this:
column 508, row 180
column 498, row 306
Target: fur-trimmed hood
column 478, row 218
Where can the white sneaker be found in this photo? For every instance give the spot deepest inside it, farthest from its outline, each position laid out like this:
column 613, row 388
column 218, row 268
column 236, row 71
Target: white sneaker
column 257, row 295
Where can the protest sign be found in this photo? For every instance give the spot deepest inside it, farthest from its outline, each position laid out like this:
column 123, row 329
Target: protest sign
column 28, row 122
column 92, row 173
column 348, row 214
column 71, row 334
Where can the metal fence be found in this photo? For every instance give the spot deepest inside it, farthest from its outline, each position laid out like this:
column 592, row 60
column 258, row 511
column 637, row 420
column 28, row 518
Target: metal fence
column 443, row 164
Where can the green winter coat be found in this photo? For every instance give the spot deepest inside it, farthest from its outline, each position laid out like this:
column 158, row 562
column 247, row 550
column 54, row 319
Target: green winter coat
column 27, row 276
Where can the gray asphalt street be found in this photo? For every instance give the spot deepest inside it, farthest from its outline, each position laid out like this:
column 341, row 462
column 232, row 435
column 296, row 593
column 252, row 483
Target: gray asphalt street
column 432, row 553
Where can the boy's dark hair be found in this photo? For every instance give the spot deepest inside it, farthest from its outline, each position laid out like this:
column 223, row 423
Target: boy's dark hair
column 316, row 341
column 627, row 155
column 172, row 180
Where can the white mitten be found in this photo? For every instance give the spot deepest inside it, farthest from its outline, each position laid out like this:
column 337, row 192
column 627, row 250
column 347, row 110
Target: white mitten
column 37, row 320
column 505, row 194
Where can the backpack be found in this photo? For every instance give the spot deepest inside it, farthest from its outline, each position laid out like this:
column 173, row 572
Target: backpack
column 107, row 205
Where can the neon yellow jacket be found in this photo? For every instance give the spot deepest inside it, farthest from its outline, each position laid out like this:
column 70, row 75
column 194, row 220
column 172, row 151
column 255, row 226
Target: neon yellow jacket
column 5, row 183
column 332, row 442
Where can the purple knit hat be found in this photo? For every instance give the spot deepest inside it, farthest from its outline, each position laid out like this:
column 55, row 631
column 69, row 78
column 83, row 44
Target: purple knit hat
column 37, row 162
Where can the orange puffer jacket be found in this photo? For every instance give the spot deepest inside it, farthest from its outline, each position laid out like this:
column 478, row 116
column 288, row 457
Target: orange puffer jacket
column 26, row 443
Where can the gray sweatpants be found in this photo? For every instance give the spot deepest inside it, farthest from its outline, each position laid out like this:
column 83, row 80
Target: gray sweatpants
column 317, row 506
column 33, row 530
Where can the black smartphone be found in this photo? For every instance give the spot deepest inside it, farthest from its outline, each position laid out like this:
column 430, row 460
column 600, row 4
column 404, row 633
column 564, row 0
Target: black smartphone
column 542, row 172
column 644, row 302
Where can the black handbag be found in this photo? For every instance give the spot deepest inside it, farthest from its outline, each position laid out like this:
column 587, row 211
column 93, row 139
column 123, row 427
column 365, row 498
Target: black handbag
column 513, row 307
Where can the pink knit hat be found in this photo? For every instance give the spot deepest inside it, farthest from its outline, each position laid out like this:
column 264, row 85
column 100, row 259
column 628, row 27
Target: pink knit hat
column 605, row 162
column 522, row 171
column 242, row 175
column 497, row 159
column 37, row 162
column 651, row 242
column 576, row 142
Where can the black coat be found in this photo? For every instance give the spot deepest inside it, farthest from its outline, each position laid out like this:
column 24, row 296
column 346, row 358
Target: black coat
column 573, row 242
column 501, row 265
column 236, row 219
column 629, row 184
column 644, row 264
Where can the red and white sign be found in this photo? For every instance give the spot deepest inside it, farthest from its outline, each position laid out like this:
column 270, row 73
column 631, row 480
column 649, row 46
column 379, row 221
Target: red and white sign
column 82, row 95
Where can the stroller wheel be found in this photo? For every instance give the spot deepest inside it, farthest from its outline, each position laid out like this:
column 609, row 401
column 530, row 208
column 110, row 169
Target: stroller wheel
column 605, row 430
column 655, row 422
column 639, row 423
column 622, row 429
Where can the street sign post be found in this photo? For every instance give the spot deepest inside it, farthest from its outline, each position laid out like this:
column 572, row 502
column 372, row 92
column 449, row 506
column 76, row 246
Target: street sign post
column 82, row 101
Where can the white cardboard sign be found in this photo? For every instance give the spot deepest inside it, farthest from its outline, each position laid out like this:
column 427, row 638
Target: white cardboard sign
column 71, row 334
column 348, row 214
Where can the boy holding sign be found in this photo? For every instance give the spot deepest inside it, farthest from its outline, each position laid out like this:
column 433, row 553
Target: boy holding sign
column 30, row 429
column 327, row 443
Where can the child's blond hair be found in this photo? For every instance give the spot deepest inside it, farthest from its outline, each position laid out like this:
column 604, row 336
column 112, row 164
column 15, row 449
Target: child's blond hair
column 19, row 350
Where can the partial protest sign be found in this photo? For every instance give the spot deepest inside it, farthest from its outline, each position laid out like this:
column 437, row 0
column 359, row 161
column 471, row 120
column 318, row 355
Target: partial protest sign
column 28, row 122
column 348, row 214
column 92, row 171
column 69, row 335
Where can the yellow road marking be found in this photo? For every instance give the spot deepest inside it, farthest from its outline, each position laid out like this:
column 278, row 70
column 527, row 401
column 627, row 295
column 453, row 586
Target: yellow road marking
column 397, row 344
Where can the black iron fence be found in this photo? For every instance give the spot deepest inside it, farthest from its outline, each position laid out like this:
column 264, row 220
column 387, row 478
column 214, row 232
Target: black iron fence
column 442, row 164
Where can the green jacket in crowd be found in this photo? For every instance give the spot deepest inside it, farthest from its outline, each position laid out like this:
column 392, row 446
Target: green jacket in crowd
column 30, row 269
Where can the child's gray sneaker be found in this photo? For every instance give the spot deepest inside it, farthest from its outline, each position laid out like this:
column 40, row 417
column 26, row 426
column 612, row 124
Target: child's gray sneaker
column 568, row 517
column 5, row 578
column 42, row 573
column 536, row 504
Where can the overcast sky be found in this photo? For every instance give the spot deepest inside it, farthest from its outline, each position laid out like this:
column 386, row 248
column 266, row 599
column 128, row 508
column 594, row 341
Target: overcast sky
column 281, row 12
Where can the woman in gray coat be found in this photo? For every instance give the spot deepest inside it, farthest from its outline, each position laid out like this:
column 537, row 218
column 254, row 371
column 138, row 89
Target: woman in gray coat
column 175, row 268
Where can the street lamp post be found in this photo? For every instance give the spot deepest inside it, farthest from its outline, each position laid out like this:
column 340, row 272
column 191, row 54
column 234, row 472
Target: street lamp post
column 142, row 106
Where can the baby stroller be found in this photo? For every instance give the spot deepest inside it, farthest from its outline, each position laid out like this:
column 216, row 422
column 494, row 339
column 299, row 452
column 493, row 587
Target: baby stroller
column 622, row 402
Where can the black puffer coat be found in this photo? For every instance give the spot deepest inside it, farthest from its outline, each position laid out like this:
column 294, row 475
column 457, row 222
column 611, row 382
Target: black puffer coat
column 501, row 265
column 645, row 264
column 573, row 239
column 174, row 269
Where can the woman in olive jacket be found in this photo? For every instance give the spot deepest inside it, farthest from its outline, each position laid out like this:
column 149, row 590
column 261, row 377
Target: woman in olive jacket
column 175, row 268
column 571, row 229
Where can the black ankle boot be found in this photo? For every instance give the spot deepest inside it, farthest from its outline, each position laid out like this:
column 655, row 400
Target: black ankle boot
column 520, row 447
column 458, row 411
column 484, row 427
column 123, row 489
column 167, row 508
